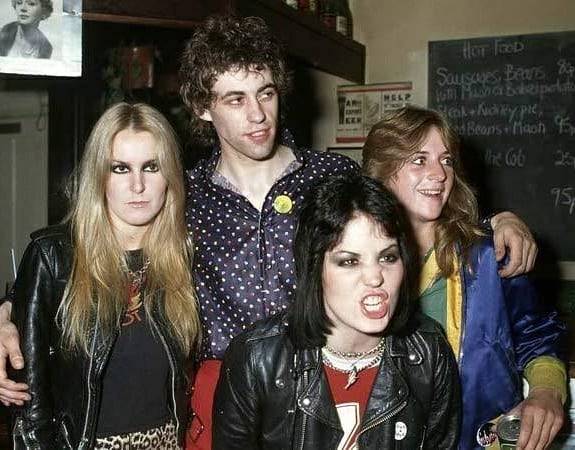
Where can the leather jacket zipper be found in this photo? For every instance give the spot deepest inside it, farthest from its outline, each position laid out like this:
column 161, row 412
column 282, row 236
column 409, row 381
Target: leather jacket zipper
column 385, row 417
column 423, row 438
column 84, row 439
column 87, row 434
column 303, row 428
column 28, row 437
column 304, row 422
column 173, row 370
column 66, row 435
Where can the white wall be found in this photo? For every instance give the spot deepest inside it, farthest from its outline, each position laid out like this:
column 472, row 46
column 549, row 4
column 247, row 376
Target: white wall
column 325, row 91
column 24, row 179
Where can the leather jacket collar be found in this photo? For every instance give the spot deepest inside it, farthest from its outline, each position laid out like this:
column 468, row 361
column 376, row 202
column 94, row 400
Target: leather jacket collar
column 315, row 399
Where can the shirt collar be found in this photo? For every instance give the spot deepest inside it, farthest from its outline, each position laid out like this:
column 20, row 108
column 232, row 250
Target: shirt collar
column 285, row 138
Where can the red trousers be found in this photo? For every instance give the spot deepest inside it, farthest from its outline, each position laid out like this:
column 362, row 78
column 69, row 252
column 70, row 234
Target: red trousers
column 199, row 435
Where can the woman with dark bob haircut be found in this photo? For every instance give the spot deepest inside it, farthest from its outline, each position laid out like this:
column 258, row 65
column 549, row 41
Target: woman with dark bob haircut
column 348, row 366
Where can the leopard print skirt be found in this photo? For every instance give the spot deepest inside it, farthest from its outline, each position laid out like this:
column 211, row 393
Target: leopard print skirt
column 163, row 438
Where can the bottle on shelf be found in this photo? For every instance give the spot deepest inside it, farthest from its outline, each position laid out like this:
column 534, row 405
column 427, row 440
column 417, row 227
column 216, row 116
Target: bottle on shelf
column 336, row 15
column 308, row 6
column 327, row 13
column 343, row 19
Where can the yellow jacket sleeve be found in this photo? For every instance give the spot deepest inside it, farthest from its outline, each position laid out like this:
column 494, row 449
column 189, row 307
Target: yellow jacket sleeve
column 547, row 372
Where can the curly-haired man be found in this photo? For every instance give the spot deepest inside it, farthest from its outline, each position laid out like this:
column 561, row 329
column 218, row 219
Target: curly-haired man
column 245, row 200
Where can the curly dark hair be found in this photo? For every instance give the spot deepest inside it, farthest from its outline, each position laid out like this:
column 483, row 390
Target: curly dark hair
column 222, row 43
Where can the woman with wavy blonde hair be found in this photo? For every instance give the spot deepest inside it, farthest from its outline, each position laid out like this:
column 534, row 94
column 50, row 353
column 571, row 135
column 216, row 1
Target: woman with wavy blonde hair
column 400, row 135
column 105, row 303
column 496, row 327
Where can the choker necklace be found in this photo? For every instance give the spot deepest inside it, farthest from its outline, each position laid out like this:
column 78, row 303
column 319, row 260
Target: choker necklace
column 376, row 349
column 353, row 368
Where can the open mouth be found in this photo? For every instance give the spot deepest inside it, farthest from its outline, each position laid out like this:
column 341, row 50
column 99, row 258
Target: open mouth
column 259, row 135
column 372, row 302
column 431, row 192
column 375, row 306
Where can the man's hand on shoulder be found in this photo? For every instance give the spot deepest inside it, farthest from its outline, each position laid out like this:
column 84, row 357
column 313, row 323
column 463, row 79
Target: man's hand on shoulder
column 511, row 234
column 10, row 391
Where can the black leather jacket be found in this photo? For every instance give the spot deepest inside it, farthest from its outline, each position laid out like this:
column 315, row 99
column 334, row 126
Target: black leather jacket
column 272, row 397
column 66, row 388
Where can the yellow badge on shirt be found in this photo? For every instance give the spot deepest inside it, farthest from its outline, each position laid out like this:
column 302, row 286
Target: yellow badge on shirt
column 283, row 204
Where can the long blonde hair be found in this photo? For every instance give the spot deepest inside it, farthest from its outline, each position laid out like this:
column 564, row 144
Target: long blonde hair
column 95, row 294
column 388, row 146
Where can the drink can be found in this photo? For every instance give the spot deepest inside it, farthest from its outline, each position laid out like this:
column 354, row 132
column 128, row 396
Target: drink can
column 508, row 428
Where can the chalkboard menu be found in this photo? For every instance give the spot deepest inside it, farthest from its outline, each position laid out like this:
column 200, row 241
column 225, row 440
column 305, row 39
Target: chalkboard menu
column 512, row 100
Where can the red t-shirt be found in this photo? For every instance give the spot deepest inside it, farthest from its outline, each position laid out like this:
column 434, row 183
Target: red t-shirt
column 350, row 403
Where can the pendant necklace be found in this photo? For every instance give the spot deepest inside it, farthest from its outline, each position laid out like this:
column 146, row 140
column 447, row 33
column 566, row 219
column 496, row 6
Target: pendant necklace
column 340, row 362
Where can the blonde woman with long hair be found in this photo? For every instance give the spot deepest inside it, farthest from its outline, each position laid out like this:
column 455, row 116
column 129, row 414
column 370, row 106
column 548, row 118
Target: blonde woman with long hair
column 105, row 304
column 497, row 328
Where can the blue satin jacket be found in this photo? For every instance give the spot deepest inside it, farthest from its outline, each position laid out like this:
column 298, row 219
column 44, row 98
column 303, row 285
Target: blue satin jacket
column 504, row 326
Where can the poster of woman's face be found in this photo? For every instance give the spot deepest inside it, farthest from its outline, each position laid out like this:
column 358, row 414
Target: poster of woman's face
column 41, row 37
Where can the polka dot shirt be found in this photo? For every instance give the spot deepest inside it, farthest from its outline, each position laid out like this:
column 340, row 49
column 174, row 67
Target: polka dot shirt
column 243, row 262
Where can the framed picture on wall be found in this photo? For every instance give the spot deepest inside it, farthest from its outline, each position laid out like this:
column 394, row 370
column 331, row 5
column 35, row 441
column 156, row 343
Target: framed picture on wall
column 52, row 43
column 351, row 152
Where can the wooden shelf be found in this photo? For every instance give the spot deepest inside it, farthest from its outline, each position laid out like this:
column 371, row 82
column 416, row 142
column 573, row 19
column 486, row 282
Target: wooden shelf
column 304, row 37
column 307, row 39
column 134, row 20
column 165, row 13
